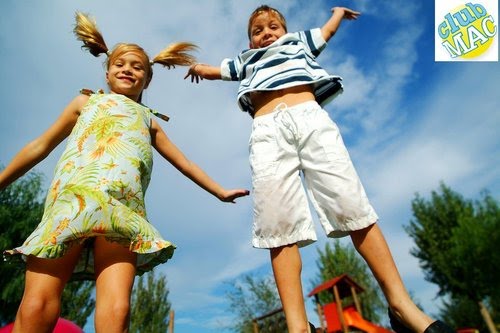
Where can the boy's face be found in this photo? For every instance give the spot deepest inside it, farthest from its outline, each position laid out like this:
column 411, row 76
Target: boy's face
column 265, row 29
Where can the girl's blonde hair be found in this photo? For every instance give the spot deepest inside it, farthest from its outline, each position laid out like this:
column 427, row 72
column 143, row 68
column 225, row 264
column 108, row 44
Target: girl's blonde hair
column 175, row 54
column 265, row 9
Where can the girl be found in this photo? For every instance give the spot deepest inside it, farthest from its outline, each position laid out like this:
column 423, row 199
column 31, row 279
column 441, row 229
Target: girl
column 94, row 224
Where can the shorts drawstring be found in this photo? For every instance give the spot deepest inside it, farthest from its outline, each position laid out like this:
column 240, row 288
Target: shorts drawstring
column 283, row 115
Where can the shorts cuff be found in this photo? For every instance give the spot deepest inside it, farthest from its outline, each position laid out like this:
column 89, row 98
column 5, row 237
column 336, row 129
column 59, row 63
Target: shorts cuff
column 350, row 226
column 270, row 243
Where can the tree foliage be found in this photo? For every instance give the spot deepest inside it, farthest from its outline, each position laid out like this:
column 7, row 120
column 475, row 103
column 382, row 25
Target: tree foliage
column 462, row 312
column 150, row 306
column 458, row 246
column 336, row 260
column 21, row 208
column 20, row 212
column 77, row 301
column 251, row 297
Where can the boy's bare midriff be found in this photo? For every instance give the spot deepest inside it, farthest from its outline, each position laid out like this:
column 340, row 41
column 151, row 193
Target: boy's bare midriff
column 265, row 102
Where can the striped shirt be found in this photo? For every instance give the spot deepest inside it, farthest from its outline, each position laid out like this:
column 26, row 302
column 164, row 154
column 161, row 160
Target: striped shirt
column 289, row 61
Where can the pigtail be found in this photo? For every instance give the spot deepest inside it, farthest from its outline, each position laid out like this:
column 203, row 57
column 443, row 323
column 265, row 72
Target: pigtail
column 176, row 54
column 86, row 31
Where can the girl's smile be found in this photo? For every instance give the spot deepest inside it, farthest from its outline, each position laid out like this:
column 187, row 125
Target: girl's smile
column 127, row 75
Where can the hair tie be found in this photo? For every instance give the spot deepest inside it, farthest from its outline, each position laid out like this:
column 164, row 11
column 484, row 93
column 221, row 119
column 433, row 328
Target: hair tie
column 108, row 53
column 151, row 62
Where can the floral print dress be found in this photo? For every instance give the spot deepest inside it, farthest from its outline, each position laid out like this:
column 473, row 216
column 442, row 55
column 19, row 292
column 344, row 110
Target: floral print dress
column 98, row 188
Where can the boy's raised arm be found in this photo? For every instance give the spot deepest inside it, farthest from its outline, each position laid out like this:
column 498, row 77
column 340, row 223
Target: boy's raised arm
column 338, row 13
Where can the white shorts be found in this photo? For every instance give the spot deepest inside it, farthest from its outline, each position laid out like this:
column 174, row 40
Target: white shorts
column 298, row 143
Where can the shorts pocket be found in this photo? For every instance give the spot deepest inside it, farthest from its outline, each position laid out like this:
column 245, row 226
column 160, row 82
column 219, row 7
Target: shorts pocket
column 263, row 148
column 329, row 138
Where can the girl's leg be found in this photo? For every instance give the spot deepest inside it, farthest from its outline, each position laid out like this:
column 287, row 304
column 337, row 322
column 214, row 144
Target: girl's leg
column 287, row 267
column 45, row 281
column 115, row 272
column 371, row 244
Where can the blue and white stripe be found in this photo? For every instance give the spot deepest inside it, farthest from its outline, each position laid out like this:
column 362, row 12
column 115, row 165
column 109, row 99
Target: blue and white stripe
column 290, row 61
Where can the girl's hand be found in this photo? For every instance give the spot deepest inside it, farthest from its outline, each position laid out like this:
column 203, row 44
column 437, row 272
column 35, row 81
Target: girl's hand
column 231, row 195
column 195, row 76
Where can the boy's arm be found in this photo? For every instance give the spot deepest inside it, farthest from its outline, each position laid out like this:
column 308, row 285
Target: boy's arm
column 171, row 153
column 338, row 13
column 203, row 71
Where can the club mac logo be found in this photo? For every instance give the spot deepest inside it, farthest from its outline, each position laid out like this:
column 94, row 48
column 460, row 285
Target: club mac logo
column 467, row 31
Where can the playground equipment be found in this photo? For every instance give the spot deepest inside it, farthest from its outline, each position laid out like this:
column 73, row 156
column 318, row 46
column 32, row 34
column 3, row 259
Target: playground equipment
column 335, row 317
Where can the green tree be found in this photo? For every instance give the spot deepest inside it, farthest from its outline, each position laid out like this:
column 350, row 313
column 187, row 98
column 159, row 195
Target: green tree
column 150, row 306
column 77, row 301
column 461, row 312
column 336, row 260
column 250, row 297
column 20, row 211
column 458, row 246
column 21, row 208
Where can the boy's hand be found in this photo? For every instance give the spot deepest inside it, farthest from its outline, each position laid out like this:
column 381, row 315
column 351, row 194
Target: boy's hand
column 338, row 14
column 195, row 76
column 203, row 71
column 349, row 14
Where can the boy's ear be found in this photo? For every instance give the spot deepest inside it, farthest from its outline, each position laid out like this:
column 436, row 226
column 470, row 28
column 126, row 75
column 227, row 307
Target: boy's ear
column 107, row 80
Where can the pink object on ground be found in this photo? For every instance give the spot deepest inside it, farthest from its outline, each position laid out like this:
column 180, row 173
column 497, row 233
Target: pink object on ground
column 62, row 326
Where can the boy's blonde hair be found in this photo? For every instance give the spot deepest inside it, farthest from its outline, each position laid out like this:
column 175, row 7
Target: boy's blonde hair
column 265, row 9
column 175, row 54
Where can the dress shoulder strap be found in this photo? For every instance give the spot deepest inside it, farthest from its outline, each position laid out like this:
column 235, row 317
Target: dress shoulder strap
column 88, row 92
column 160, row 115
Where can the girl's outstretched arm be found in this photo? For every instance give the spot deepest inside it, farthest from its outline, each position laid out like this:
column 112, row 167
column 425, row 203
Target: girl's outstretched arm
column 35, row 151
column 332, row 25
column 171, row 153
column 199, row 72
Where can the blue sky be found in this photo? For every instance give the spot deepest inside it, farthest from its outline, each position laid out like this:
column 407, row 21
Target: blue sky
column 409, row 123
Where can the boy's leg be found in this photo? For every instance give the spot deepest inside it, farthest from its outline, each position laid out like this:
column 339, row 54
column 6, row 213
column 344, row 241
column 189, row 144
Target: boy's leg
column 45, row 281
column 287, row 267
column 115, row 272
column 371, row 244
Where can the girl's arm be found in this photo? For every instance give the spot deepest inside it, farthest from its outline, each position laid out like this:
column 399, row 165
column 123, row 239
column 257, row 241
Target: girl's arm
column 203, row 71
column 171, row 153
column 38, row 149
column 338, row 13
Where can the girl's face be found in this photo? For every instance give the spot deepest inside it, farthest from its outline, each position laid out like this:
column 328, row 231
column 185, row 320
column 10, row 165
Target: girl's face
column 265, row 29
column 128, row 74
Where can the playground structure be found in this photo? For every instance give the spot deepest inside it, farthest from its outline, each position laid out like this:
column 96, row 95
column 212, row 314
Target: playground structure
column 336, row 317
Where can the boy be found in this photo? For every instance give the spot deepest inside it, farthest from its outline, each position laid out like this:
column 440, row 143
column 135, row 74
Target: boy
column 282, row 87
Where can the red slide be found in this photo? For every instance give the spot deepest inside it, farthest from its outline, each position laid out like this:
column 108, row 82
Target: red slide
column 354, row 319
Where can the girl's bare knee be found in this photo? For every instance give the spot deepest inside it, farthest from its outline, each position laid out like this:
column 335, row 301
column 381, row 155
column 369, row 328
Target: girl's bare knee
column 116, row 311
column 39, row 308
